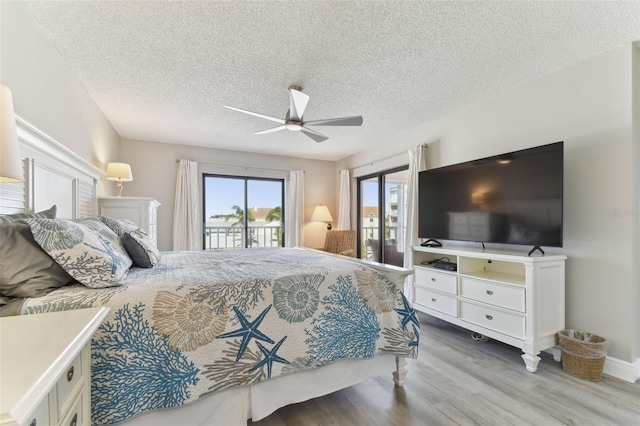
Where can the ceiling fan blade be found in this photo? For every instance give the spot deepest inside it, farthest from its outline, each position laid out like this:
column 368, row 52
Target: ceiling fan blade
column 271, row 130
column 318, row 137
column 297, row 104
column 344, row 121
column 268, row 117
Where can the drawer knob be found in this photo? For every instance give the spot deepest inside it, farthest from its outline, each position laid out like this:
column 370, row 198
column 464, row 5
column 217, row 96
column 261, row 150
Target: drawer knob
column 489, row 317
column 433, row 279
column 70, row 374
column 33, row 422
column 433, row 299
column 489, row 292
column 74, row 420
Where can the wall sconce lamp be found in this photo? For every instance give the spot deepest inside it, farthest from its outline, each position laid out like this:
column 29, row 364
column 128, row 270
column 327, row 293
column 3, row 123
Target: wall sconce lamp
column 321, row 214
column 119, row 172
column 10, row 164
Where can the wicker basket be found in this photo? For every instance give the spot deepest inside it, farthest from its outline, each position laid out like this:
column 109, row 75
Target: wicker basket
column 583, row 354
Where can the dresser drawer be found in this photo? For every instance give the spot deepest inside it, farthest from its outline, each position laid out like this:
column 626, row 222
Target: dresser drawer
column 481, row 219
column 440, row 281
column 438, row 301
column 479, row 233
column 458, row 218
column 40, row 416
column 71, row 380
column 75, row 416
column 511, row 324
column 495, row 294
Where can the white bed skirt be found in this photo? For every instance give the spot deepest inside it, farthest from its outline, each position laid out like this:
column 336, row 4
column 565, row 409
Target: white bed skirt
column 235, row 406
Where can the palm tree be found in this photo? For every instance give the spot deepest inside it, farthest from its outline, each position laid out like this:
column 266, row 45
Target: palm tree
column 275, row 215
column 238, row 215
column 238, row 218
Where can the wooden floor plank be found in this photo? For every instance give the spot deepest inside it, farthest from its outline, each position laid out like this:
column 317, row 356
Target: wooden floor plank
column 459, row 381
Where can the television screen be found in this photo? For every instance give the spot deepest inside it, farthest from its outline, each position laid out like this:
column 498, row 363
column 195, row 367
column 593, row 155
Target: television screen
column 514, row 198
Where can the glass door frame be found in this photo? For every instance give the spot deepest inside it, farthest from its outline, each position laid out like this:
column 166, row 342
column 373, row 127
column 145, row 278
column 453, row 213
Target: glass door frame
column 245, row 179
column 381, row 208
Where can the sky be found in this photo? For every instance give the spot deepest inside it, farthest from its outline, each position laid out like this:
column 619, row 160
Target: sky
column 223, row 193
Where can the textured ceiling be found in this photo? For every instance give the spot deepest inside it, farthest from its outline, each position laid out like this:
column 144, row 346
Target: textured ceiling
column 162, row 71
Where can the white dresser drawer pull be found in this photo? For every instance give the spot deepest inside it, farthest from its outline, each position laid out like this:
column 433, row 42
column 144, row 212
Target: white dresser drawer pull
column 489, row 292
column 74, row 420
column 433, row 299
column 33, row 422
column 70, row 374
column 433, row 279
column 489, row 317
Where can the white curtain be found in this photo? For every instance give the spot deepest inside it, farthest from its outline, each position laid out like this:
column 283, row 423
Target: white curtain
column 344, row 208
column 186, row 228
column 417, row 163
column 294, row 210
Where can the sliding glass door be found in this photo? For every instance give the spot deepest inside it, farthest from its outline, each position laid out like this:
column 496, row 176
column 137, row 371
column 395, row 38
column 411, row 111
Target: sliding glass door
column 382, row 216
column 242, row 212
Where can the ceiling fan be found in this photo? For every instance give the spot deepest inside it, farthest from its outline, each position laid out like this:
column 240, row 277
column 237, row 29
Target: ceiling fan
column 293, row 120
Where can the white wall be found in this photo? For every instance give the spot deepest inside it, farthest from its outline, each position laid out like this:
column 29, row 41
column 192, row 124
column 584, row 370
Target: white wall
column 635, row 277
column 154, row 175
column 589, row 107
column 48, row 94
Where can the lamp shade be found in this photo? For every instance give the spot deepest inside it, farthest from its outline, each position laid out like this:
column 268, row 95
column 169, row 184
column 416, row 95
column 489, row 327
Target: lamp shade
column 120, row 172
column 321, row 214
column 10, row 164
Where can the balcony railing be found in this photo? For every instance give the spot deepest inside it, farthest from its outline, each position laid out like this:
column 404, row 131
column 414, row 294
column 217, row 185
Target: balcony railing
column 230, row 238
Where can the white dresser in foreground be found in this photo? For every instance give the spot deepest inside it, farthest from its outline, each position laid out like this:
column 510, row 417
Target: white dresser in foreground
column 46, row 367
column 507, row 296
column 143, row 211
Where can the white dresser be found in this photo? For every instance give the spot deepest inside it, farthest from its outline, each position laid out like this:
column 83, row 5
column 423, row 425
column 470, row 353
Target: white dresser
column 508, row 296
column 46, row 367
column 143, row 211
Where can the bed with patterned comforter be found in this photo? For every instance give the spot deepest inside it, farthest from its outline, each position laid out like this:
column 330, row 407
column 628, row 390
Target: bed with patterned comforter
column 201, row 322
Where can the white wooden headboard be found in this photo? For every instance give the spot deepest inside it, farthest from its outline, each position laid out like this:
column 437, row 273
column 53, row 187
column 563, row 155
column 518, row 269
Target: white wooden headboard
column 52, row 175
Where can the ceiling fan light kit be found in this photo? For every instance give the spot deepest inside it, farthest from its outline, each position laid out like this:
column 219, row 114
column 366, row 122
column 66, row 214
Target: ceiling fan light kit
column 293, row 119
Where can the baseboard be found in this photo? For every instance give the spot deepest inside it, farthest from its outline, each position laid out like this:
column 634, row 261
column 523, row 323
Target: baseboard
column 623, row 370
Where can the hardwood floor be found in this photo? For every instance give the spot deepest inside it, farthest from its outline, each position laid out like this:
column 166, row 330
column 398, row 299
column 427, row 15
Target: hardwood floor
column 459, row 381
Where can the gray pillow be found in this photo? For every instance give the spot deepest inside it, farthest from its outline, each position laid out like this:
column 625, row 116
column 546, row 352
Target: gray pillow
column 93, row 257
column 141, row 250
column 48, row 214
column 19, row 278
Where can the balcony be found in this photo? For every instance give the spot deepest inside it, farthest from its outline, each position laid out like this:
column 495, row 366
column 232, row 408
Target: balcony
column 232, row 237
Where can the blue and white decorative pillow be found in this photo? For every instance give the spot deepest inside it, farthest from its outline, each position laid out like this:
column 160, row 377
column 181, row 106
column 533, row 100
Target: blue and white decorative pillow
column 91, row 257
column 97, row 224
column 140, row 248
column 119, row 226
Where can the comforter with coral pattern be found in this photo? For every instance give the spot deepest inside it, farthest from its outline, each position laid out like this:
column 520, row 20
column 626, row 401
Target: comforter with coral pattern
column 200, row 322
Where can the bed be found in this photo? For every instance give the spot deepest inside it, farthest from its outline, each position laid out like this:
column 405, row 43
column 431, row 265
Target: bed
column 214, row 337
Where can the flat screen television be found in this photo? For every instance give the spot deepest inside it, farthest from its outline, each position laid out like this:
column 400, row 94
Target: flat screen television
column 513, row 198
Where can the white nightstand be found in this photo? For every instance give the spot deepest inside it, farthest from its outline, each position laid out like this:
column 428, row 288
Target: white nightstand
column 143, row 211
column 45, row 365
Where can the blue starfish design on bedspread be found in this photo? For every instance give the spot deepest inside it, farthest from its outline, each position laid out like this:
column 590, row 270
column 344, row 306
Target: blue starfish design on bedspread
column 408, row 314
column 247, row 331
column 270, row 357
column 415, row 343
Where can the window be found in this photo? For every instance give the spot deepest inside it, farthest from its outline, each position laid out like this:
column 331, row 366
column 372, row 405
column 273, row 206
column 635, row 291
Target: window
column 382, row 212
column 242, row 212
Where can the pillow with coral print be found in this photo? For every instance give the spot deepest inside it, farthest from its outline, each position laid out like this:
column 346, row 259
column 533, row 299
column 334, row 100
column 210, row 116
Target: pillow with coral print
column 87, row 255
column 119, row 226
